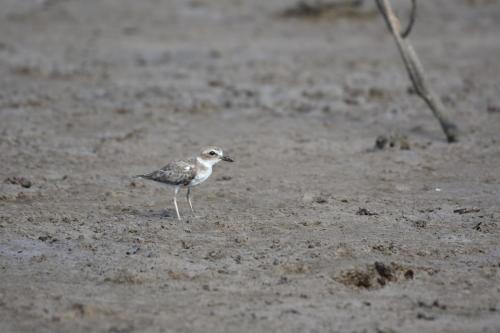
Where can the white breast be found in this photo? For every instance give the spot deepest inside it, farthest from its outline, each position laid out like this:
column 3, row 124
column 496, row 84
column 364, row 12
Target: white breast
column 202, row 175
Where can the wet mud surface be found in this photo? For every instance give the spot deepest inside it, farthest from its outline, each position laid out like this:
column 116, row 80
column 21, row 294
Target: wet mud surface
column 346, row 210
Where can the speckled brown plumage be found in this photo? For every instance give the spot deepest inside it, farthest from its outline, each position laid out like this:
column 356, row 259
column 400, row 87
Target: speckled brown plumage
column 174, row 173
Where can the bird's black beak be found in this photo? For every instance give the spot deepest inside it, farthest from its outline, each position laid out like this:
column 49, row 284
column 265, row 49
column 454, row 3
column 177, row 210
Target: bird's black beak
column 227, row 159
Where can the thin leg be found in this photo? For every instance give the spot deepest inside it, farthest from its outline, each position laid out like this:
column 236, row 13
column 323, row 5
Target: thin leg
column 189, row 199
column 175, row 202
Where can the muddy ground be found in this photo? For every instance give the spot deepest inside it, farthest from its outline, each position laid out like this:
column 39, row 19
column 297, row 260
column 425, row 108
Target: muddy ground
column 310, row 231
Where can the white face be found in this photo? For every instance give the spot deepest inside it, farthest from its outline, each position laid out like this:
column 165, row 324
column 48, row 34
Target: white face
column 213, row 155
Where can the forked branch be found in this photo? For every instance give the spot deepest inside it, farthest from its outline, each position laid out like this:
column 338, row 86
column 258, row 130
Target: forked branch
column 414, row 66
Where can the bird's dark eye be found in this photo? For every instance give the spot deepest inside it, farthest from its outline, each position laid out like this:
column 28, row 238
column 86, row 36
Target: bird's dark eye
column 213, row 153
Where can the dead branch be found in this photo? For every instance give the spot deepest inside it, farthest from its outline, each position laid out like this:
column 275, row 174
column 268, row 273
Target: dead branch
column 414, row 67
column 411, row 21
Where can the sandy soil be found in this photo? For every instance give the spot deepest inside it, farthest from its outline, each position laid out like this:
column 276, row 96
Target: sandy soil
column 310, row 231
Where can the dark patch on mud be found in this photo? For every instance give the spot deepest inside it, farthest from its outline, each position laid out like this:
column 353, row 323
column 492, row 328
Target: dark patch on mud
column 365, row 212
column 330, row 10
column 392, row 141
column 24, row 182
column 376, row 275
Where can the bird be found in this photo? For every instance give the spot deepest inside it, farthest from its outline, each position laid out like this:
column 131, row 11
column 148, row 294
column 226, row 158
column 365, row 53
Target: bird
column 188, row 173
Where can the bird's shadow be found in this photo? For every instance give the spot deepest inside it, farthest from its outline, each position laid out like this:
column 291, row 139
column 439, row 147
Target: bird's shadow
column 155, row 214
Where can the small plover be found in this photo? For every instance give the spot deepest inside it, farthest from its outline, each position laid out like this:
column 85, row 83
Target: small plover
column 188, row 173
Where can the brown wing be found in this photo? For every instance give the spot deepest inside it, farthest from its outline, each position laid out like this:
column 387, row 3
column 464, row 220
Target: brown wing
column 174, row 173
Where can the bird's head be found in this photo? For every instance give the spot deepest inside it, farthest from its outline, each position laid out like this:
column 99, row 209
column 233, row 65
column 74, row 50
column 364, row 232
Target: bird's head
column 213, row 155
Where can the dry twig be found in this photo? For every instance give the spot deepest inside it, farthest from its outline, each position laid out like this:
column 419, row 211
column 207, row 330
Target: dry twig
column 414, row 66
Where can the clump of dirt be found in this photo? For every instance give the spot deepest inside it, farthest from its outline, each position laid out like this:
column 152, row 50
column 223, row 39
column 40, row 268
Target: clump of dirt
column 48, row 238
column 392, row 141
column 375, row 276
column 365, row 212
column 331, row 10
column 24, row 182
